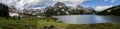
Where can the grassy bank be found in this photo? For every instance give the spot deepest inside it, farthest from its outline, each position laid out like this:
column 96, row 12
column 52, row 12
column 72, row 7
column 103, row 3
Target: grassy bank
column 94, row 26
column 49, row 23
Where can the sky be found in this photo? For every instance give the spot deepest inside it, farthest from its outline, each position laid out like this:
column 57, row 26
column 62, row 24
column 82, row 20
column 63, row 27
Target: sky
column 98, row 5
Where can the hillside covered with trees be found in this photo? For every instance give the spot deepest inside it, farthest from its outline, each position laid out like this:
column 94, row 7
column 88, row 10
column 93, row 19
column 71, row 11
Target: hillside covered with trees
column 115, row 10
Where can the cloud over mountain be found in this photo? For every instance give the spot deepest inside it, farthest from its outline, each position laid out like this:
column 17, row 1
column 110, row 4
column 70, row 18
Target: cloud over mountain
column 21, row 4
column 101, row 8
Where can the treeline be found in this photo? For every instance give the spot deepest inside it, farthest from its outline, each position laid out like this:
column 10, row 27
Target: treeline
column 4, row 10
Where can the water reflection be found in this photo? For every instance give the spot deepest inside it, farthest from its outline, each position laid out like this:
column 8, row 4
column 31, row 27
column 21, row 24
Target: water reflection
column 87, row 19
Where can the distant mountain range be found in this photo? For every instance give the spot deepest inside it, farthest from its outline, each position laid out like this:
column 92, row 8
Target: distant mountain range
column 61, row 9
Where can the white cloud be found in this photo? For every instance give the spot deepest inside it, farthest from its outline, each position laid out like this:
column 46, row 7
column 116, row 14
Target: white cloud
column 8, row 2
column 70, row 1
column 105, row 0
column 21, row 4
column 101, row 8
column 26, row 3
column 110, row 0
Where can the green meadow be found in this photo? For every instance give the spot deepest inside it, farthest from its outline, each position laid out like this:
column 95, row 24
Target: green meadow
column 49, row 23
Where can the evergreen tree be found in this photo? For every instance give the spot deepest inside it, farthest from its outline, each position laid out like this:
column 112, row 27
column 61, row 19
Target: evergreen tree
column 4, row 10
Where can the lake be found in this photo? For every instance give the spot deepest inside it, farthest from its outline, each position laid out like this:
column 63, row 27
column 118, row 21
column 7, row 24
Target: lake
column 88, row 19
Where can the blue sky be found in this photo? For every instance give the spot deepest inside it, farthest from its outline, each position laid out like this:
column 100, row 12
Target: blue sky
column 98, row 5
column 94, row 3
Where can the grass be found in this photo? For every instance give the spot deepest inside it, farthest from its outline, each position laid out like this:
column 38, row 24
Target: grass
column 49, row 23
column 31, row 22
column 16, row 24
column 94, row 26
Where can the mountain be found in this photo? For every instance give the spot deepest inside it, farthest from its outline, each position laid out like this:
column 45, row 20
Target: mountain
column 81, row 10
column 115, row 10
column 61, row 9
column 12, row 9
column 89, row 10
column 33, row 11
column 77, row 10
column 58, row 9
column 59, row 5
